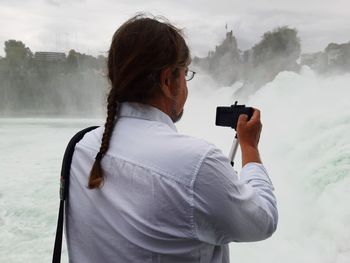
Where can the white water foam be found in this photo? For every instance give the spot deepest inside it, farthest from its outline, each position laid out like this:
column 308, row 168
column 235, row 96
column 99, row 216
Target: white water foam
column 305, row 145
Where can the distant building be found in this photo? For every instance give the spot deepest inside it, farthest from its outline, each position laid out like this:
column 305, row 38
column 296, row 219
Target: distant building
column 228, row 45
column 310, row 59
column 333, row 57
column 224, row 63
column 49, row 56
column 317, row 61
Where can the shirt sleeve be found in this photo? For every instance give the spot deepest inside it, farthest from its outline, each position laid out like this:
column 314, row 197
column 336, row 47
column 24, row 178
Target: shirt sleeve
column 227, row 208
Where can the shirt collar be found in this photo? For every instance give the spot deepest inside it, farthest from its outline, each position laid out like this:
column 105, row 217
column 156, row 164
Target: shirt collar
column 146, row 112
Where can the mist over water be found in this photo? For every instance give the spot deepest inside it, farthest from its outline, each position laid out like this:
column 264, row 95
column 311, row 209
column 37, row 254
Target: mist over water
column 304, row 145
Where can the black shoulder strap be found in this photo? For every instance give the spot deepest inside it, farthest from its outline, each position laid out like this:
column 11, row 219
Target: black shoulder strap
column 64, row 186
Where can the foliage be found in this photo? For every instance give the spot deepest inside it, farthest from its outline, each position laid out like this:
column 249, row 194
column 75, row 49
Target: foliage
column 16, row 52
column 281, row 42
column 75, row 85
column 338, row 56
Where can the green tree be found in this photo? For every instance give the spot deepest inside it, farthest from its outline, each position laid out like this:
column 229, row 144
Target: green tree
column 72, row 60
column 16, row 53
column 282, row 42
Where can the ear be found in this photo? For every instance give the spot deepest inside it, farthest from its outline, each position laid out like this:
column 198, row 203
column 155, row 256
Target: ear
column 166, row 79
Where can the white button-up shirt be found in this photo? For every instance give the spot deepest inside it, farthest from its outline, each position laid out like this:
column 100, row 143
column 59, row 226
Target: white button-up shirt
column 167, row 197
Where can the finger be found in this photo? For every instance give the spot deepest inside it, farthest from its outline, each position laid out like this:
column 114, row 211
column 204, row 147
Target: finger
column 256, row 115
column 242, row 119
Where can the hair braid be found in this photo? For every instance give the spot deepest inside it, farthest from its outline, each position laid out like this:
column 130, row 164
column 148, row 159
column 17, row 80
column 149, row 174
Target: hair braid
column 96, row 175
column 141, row 48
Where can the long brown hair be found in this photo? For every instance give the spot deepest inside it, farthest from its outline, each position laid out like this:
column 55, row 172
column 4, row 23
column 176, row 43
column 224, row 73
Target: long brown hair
column 141, row 48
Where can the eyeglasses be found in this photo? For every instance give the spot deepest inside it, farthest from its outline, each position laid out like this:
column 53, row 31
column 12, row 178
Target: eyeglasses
column 189, row 74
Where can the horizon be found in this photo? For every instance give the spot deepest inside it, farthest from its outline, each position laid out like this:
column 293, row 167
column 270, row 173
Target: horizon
column 87, row 26
column 66, row 52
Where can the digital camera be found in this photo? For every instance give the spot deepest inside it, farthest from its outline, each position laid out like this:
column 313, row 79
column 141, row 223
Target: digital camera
column 228, row 116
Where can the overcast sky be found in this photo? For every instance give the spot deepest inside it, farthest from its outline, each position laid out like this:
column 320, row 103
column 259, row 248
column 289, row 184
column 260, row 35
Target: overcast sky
column 87, row 26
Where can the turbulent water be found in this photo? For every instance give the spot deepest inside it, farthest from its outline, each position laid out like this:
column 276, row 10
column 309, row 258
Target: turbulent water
column 305, row 145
